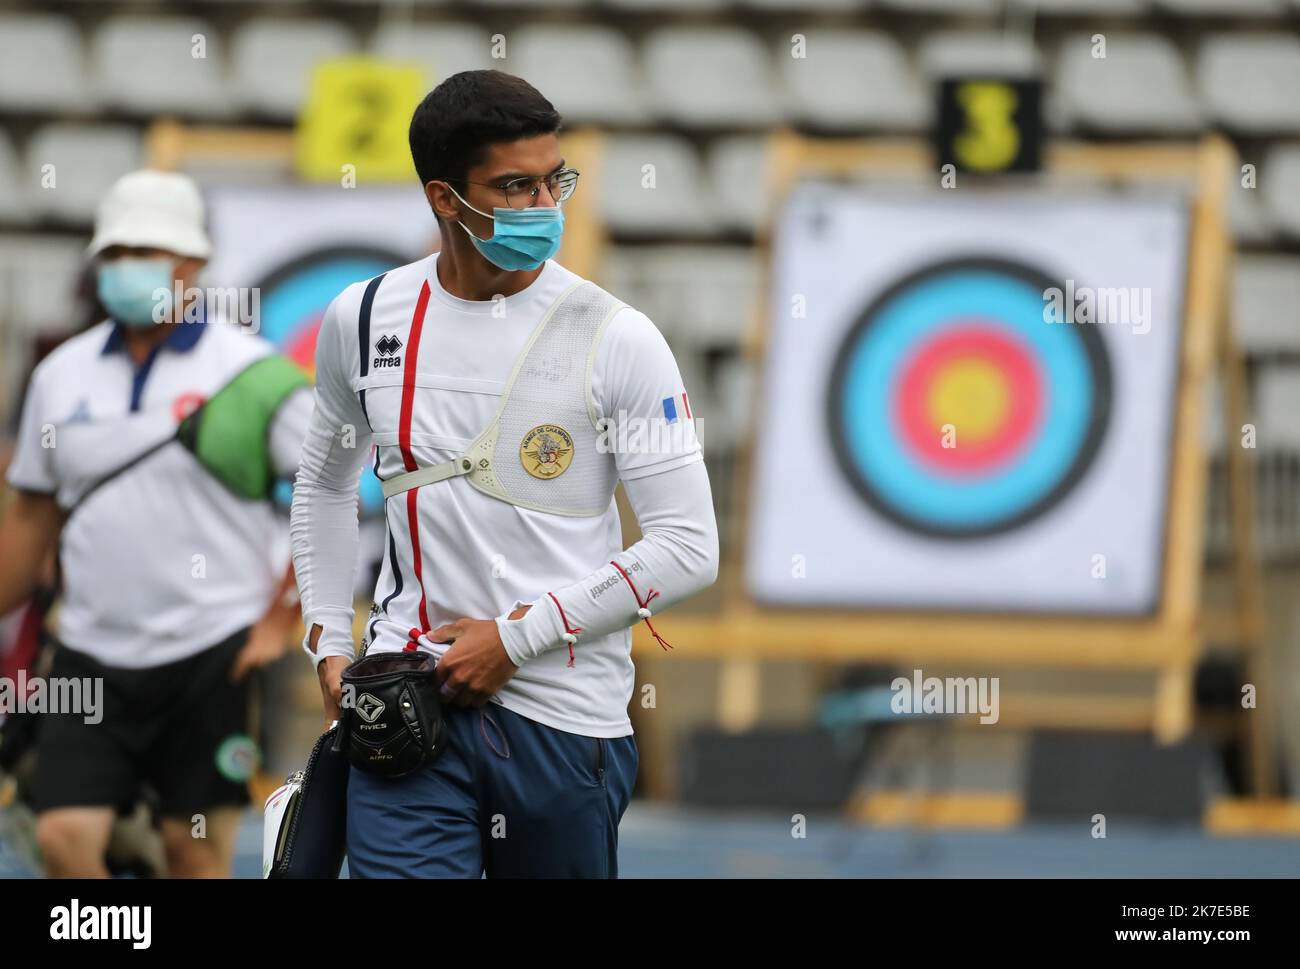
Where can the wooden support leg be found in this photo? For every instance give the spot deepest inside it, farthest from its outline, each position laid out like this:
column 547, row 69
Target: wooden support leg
column 739, row 688
column 1173, row 711
column 1261, row 722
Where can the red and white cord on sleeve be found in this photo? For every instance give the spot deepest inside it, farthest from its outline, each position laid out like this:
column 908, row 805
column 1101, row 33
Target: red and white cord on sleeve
column 570, row 634
column 643, row 607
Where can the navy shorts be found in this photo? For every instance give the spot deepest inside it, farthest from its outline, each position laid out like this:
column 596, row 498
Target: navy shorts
column 509, row 797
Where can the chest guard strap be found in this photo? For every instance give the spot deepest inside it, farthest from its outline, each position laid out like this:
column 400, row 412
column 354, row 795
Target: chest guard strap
column 542, row 448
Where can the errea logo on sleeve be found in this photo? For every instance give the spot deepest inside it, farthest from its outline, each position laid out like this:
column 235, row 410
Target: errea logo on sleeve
column 126, row 923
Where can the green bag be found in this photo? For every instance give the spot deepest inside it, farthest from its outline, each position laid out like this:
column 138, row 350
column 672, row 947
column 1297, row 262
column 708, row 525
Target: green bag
column 229, row 434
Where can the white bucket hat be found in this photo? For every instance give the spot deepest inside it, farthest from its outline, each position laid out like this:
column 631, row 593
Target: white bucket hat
column 160, row 210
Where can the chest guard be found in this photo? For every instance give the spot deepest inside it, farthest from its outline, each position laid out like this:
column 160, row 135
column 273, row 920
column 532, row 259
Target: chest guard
column 541, row 450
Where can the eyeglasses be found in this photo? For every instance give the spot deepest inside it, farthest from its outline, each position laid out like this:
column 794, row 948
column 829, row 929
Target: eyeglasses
column 521, row 193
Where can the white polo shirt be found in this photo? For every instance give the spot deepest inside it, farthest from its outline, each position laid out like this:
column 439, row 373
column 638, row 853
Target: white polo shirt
column 162, row 561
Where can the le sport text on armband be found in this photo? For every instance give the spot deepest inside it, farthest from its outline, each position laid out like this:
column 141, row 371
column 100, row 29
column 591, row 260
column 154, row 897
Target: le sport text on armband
column 615, row 579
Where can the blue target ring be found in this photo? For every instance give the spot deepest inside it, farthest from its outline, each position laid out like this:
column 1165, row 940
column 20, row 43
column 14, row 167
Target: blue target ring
column 967, row 302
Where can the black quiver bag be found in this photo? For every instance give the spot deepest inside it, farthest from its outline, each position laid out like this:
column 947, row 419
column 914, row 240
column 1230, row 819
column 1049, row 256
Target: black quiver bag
column 392, row 716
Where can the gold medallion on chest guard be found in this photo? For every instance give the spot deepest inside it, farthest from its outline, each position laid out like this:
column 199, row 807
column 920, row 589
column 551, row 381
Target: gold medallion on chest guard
column 546, row 451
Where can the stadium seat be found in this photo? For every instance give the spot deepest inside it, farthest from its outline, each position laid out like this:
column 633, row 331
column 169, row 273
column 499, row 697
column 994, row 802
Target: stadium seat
column 87, row 160
column 627, row 270
column 1097, row 93
column 735, row 394
column 1075, row 8
column 15, row 201
column 620, row 272
column 956, row 52
column 1277, row 401
column 803, row 6
column 45, row 274
column 955, row 7
column 42, row 64
column 1247, row 215
column 718, row 289
column 712, row 76
column 272, row 61
column 855, row 79
column 147, row 65
column 589, row 73
column 665, row 6
column 1249, row 81
column 738, row 176
column 1279, row 180
column 701, row 297
column 678, row 202
column 1266, row 292
column 1221, row 8
column 443, row 48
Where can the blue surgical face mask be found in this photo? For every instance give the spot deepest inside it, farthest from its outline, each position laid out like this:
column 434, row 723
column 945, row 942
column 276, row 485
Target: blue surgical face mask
column 137, row 292
column 521, row 238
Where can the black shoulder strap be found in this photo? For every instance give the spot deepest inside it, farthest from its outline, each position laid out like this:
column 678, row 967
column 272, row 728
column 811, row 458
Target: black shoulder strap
column 363, row 335
column 120, row 469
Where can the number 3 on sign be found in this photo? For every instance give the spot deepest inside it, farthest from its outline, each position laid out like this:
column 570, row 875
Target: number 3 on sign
column 991, row 140
column 358, row 113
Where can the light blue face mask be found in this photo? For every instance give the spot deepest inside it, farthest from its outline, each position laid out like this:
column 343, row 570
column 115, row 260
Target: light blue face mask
column 136, row 292
column 521, row 238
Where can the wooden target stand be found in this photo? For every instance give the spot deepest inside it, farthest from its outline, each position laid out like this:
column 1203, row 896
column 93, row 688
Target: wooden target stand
column 742, row 635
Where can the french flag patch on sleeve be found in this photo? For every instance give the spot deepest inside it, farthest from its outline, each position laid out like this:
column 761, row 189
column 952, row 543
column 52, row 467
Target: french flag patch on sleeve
column 670, row 408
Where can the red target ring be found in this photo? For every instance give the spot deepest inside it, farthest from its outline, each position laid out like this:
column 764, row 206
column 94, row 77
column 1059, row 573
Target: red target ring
column 985, row 370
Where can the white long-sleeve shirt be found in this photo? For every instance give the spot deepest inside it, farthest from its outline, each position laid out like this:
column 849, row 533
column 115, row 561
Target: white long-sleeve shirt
column 471, row 555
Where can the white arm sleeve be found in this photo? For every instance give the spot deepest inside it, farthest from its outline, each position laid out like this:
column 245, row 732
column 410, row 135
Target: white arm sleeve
column 676, row 557
column 636, row 378
column 323, row 518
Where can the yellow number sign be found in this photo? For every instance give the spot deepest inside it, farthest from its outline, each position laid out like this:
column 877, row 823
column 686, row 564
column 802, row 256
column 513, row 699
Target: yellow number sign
column 357, row 114
column 991, row 140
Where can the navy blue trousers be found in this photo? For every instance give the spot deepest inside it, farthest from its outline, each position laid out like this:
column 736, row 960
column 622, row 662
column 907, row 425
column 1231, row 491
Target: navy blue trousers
column 509, row 797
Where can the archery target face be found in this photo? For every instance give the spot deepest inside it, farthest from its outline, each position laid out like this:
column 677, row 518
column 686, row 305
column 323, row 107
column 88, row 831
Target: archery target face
column 929, row 439
column 955, row 412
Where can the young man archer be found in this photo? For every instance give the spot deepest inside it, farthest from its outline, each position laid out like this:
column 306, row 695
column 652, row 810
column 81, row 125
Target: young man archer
column 491, row 439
